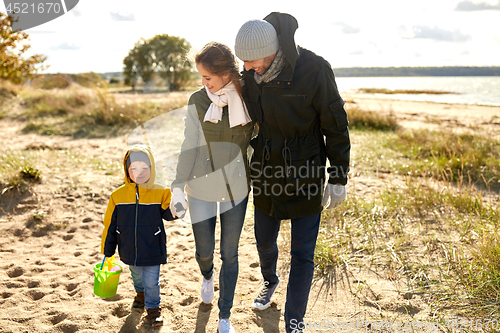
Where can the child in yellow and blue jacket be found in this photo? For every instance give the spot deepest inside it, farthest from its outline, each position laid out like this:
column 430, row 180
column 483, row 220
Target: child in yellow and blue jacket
column 134, row 223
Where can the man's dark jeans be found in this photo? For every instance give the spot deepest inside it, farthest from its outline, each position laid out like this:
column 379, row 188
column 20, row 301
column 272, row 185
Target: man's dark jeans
column 304, row 235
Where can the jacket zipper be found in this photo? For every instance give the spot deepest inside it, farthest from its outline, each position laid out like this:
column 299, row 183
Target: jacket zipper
column 136, row 213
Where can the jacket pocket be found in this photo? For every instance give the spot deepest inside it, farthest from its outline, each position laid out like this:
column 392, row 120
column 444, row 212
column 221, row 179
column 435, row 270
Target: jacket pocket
column 202, row 164
column 153, row 237
column 337, row 109
column 125, row 241
column 305, row 172
column 294, row 103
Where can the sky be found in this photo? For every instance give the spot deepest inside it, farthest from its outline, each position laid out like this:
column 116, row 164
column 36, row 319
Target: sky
column 97, row 34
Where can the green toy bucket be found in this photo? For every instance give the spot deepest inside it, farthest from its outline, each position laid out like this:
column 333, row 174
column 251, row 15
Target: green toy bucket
column 106, row 283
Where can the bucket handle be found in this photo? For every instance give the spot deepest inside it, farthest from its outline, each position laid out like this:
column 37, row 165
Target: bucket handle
column 110, row 261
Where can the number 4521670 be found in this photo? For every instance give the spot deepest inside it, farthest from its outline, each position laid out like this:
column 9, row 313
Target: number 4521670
column 40, row 8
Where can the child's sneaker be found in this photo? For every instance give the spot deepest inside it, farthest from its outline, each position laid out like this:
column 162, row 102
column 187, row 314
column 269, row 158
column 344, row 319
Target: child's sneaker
column 138, row 301
column 263, row 299
column 207, row 290
column 154, row 316
column 224, row 326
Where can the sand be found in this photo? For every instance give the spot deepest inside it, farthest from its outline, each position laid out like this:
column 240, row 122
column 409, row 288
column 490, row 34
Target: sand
column 433, row 116
column 50, row 241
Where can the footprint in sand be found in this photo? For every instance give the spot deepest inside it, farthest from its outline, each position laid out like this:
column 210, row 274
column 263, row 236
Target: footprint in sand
column 56, row 317
column 36, row 294
column 121, row 311
column 182, row 247
column 14, row 284
column 6, row 294
column 37, row 270
column 187, row 301
column 15, row 272
column 71, row 286
column 68, row 237
column 66, row 327
column 33, row 284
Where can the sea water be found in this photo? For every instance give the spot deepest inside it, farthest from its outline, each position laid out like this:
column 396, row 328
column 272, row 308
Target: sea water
column 478, row 90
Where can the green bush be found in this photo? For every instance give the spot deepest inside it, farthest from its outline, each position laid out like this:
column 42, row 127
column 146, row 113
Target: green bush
column 370, row 120
column 51, row 81
column 89, row 80
column 7, row 89
column 30, row 172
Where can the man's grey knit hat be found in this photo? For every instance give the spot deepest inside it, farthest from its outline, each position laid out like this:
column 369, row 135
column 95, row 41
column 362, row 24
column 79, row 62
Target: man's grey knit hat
column 256, row 39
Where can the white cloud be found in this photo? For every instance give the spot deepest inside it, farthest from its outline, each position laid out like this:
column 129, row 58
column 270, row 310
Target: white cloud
column 66, row 46
column 470, row 6
column 122, row 16
column 346, row 28
column 438, row 34
column 75, row 11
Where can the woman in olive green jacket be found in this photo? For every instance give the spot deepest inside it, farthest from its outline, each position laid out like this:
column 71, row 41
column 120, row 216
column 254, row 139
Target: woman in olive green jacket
column 213, row 171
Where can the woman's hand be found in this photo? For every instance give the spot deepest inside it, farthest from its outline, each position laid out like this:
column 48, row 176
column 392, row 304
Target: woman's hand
column 178, row 203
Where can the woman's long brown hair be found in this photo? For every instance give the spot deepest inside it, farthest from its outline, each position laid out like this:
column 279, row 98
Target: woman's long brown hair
column 218, row 59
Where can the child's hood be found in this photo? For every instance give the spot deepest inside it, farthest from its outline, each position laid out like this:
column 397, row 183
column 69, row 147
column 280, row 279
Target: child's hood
column 147, row 150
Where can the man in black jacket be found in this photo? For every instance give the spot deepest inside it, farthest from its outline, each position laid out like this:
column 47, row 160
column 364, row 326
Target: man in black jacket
column 291, row 94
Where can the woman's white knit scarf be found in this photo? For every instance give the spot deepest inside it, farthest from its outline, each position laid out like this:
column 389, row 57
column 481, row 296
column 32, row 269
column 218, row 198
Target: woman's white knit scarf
column 227, row 95
column 273, row 71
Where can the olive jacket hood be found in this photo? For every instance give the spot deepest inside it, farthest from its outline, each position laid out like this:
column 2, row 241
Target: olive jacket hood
column 285, row 26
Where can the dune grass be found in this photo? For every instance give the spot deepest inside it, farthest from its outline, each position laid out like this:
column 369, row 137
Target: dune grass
column 429, row 227
column 62, row 81
column 425, row 238
column 370, row 120
column 461, row 158
column 8, row 91
column 20, row 170
column 17, row 171
column 85, row 113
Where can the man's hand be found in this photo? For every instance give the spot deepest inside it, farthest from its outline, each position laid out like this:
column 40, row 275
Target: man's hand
column 335, row 193
column 178, row 203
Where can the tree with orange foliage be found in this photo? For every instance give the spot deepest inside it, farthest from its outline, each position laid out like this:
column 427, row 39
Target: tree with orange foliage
column 13, row 66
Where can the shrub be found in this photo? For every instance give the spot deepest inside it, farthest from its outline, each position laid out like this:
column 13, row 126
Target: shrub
column 30, row 172
column 89, row 80
column 51, row 81
column 8, row 89
column 371, row 120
